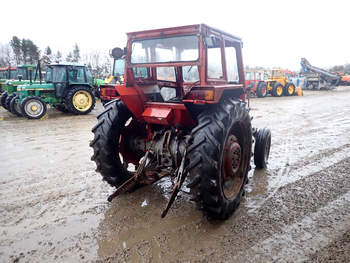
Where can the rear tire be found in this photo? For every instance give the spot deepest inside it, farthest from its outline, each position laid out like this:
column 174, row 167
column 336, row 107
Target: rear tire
column 262, row 147
column 15, row 107
column 277, row 90
column 106, row 143
column 218, row 172
column 80, row 100
column 33, row 107
column 261, row 91
column 289, row 89
column 3, row 99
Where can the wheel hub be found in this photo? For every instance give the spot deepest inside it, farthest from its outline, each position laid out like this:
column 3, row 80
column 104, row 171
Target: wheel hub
column 34, row 108
column 82, row 100
column 290, row 89
column 279, row 90
column 231, row 176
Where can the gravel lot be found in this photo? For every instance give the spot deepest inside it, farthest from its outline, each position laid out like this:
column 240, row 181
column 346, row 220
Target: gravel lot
column 53, row 204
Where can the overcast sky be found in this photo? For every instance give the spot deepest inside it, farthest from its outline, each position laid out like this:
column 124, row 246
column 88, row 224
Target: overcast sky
column 275, row 33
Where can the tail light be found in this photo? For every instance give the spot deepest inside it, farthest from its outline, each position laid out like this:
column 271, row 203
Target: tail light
column 200, row 94
column 108, row 91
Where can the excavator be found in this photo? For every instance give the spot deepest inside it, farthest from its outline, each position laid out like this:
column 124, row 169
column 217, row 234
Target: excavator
column 317, row 78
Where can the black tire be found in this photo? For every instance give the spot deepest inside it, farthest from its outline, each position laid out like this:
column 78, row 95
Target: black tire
column 261, row 90
column 3, row 99
column 30, row 113
column 106, row 143
column 289, row 89
column 262, row 147
column 73, row 108
column 276, row 90
column 8, row 100
column 15, row 108
column 104, row 102
column 206, row 154
column 61, row 108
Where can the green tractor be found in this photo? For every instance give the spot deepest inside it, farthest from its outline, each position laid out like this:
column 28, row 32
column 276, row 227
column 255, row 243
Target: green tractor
column 6, row 74
column 25, row 75
column 68, row 88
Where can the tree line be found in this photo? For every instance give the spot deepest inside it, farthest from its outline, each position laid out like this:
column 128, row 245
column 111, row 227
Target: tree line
column 25, row 51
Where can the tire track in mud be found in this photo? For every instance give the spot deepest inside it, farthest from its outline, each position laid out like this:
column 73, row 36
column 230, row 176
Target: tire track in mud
column 281, row 177
column 298, row 241
column 198, row 239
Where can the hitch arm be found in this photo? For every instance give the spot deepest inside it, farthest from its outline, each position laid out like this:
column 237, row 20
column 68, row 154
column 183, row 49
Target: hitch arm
column 181, row 175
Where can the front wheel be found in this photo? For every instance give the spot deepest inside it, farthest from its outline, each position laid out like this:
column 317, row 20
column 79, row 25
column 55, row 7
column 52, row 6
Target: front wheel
column 15, row 107
column 3, row 99
column 80, row 100
column 33, row 107
column 218, row 158
column 277, row 90
column 261, row 91
column 8, row 100
column 262, row 147
column 289, row 89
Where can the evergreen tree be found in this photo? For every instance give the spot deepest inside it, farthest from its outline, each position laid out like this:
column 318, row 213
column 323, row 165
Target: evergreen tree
column 69, row 57
column 58, row 56
column 76, row 54
column 16, row 46
column 47, row 58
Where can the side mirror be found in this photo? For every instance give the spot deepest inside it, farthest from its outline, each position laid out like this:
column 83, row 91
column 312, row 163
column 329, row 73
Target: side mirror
column 117, row 52
column 20, row 77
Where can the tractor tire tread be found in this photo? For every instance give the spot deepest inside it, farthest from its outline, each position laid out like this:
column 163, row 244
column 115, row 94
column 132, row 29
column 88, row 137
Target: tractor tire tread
column 104, row 145
column 69, row 100
column 203, row 157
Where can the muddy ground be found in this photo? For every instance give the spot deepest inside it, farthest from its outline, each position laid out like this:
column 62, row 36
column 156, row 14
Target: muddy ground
column 53, row 204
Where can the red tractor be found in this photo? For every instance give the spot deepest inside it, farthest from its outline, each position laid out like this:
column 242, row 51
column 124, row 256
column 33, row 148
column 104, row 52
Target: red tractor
column 255, row 82
column 181, row 112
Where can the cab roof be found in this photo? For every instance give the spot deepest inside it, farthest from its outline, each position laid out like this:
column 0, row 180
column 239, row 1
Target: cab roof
column 182, row 30
column 26, row 66
column 67, row 64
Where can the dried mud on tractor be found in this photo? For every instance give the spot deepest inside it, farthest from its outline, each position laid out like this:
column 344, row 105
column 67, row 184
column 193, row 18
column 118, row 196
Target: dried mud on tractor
column 181, row 112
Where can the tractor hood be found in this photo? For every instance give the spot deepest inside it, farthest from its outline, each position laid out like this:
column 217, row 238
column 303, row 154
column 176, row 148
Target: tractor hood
column 43, row 86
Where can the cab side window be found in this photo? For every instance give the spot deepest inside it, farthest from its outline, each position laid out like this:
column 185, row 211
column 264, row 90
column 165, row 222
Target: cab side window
column 231, row 62
column 214, row 58
column 76, row 75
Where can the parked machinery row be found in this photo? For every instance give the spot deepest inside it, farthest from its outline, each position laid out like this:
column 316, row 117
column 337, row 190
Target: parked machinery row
column 67, row 87
column 276, row 82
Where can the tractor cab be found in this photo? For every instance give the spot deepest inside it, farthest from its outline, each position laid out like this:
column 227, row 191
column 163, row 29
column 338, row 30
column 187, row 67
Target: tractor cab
column 63, row 76
column 4, row 73
column 26, row 72
column 191, row 66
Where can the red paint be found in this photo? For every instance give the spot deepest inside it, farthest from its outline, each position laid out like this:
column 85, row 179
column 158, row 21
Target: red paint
column 135, row 92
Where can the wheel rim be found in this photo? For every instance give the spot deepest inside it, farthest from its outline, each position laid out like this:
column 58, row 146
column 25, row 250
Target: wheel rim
column 82, row 100
column 290, row 89
column 263, row 91
column 232, row 178
column 34, row 108
column 279, row 90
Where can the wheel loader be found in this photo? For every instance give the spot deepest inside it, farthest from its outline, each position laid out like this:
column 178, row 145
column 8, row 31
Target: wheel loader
column 278, row 84
column 185, row 116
